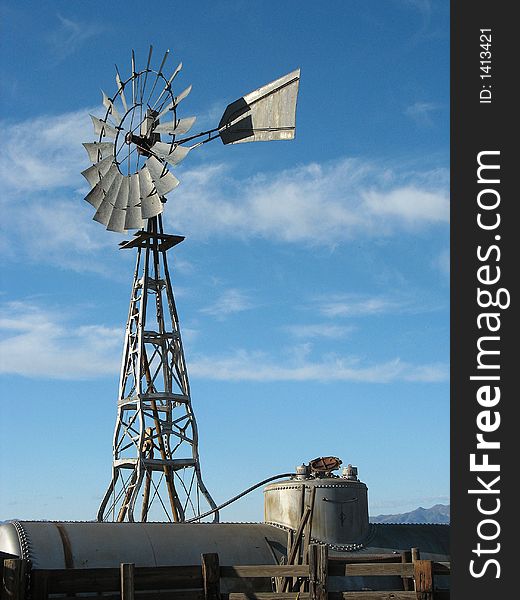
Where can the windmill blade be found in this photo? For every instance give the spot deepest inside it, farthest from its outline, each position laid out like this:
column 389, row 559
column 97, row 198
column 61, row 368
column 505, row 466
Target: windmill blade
column 109, row 105
column 172, row 154
column 168, row 83
column 104, row 212
column 180, row 127
column 117, row 218
column 151, row 204
column 103, row 128
column 94, row 173
column 98, row 150
column 97, row 193
column 268, row 113
column 163, row 180
column 121, row 90
column 133, row 219
column 176, row 101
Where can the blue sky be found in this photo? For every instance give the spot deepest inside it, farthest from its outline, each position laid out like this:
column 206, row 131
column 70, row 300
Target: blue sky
column 313, row 284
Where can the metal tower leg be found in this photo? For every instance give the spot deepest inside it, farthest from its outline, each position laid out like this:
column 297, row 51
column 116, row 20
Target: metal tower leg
column 156, row 463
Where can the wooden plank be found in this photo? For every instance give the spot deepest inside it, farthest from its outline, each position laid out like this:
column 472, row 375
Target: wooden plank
column 211, row 576
column 265, row 571
column 322, row 573
column 14, row 581
column 267, row 596
column 307, row 532
column 355, row 558
column 127, row 581
column 153, row 595
column 423, row 576
column 375, row 569
column 313, row 571
column 373, row 595
column 108, row 579
column 406, row 557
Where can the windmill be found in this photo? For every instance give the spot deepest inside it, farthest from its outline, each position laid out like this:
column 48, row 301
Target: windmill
column 156, row 473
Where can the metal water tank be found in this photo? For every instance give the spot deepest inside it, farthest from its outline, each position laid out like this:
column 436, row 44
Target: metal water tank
column 339, row 511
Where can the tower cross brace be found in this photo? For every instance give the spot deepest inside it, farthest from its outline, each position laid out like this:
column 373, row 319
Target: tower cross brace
column 156, row 467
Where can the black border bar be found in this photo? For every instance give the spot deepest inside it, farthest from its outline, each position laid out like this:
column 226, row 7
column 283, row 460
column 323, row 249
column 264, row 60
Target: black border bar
column 485, row 336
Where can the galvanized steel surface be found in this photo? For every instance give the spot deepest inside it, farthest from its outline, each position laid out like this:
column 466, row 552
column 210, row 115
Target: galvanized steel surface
column 340, row 512
column 91, row 544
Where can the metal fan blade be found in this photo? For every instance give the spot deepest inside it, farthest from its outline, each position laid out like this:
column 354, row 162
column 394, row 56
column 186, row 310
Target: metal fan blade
column 97, row 193
column 268, row 113
column 171, row 155
column 121, row 91
column 109, row 105
column 151, row 204
column 104, row 212
column 163, row 180
column 98, row 150
column 95, row 172
column 117, row 218
column 176, row 101
column 103, row 128
column 168, row 84
column 133, row 218
column 181, row 127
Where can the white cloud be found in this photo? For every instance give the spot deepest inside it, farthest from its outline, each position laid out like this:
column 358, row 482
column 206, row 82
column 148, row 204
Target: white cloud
column 69, row 36
column 354, row 305
column 314, row 204
column 318, row 330
column 258, row 366
column 44, row 153
column 322, row 204
column 230, row 301
column 421, row 113
column 43, row 343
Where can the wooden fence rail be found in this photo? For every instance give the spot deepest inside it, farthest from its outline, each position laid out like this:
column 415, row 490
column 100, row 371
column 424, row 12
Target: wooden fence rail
column 203, row 582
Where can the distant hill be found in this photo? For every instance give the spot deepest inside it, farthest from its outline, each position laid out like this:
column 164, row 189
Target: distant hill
column 440, row 513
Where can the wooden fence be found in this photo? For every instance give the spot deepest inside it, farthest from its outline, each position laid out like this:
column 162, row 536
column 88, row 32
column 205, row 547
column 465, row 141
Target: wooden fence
column 203, row 582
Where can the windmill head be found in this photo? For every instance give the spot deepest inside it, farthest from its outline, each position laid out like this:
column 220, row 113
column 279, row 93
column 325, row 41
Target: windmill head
column 140, row 137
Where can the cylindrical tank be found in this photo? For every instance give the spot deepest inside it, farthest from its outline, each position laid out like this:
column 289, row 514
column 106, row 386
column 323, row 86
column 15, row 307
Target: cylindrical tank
column 339, row 512
column 60, row 545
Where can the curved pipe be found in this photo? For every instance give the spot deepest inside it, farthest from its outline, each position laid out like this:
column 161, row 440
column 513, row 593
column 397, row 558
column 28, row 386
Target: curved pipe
column 250, row 489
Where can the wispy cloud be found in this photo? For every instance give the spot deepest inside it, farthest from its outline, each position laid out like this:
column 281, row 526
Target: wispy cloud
column 355, row 305
column 42, row 343
column 421, row 113
column 313, row 204
column 45, row 153
column 69, row 36
column 258, row 366
column 318, row 330
column 229, row 302
column 45, row 343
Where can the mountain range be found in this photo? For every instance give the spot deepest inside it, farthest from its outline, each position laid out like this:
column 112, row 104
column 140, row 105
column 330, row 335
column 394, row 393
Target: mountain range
column 439, row 513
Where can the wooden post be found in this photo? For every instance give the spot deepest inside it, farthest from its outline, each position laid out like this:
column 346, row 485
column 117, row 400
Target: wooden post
column 322, row 572
column 406, row 557
column 127, row 581
column 14, row 578
column 211, row 576
column 307, row 532
column 318, row 571
column 423, row 575
column 313, row 571
column 416, row 555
